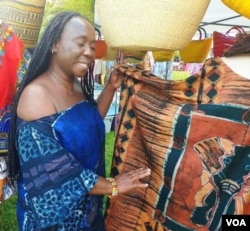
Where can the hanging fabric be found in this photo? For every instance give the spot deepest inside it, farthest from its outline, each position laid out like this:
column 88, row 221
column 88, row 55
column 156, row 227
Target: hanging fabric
column 194, row 136
column 11, row 50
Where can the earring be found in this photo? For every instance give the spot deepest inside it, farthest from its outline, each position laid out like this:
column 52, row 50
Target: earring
column 52, row 51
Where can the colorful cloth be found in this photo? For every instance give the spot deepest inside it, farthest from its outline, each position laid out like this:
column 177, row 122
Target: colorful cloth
column 61, row 157
column 194, row 135
column 11, row 49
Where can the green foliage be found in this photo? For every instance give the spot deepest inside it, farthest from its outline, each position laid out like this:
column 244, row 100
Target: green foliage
column 8, row 221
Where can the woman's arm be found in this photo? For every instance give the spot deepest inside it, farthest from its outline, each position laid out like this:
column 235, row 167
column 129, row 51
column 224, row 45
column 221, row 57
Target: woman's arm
column 105, row 98
column 124, row 182
column 50, row 171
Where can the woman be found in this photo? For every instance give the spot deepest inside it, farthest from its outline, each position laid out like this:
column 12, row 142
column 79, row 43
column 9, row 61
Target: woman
column 56, row 140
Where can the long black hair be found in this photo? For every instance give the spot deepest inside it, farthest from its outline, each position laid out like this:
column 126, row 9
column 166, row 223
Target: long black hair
column 38, row 64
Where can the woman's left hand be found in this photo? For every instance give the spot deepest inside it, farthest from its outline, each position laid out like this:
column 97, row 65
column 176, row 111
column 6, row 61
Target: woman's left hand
column 115, row 79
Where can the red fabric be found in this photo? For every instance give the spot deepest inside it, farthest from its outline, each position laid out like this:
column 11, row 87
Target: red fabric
column 13, row 51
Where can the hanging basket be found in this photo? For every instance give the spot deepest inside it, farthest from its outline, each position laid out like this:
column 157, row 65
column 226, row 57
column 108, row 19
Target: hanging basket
column 52, row 7
column 197, row 50
column 131, row 56
column 240, row 6
column 163, row 56
column 111, row 55
column 150, row 25
column 223, row 41
column 100, row 46
column 100, row 49
column 25, row 17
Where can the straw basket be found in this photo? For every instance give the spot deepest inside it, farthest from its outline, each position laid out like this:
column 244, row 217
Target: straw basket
column 111, row 55
column 163, row 56
column 25, row 17
column 132, row 56
column 197, row 50
column 240, row 6
column 150, row 25
column 52, row 7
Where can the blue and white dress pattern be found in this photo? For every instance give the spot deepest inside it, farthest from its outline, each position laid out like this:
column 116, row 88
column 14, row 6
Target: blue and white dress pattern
column 61, row 157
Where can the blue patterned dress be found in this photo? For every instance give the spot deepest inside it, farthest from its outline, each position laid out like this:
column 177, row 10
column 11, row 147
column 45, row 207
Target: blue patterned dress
column 61, row 157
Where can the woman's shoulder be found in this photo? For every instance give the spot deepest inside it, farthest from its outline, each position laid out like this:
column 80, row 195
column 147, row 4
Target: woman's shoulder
column 35, row 102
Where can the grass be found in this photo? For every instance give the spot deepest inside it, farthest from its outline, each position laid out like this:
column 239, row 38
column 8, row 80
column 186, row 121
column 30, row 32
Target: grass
column 8, row 221
column 109, row 146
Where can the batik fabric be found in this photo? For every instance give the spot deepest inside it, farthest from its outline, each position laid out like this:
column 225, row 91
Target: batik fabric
column 194, row 135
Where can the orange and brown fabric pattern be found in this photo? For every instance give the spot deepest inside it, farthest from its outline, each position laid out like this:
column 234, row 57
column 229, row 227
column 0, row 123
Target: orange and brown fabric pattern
column 194, row 136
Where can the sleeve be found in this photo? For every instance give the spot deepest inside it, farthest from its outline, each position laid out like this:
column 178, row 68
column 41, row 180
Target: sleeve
column 49, row 171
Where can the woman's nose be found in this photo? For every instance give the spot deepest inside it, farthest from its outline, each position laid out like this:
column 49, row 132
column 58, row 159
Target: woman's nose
column 89, row 50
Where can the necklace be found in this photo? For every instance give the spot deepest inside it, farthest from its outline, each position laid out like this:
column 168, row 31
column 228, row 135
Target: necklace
column 71, row 91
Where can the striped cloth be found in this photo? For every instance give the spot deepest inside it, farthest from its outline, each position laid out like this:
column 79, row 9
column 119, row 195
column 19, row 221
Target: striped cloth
column 194, row 135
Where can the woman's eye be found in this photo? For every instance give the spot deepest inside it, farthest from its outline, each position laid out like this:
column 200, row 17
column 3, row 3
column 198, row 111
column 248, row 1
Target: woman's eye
column 80, row 44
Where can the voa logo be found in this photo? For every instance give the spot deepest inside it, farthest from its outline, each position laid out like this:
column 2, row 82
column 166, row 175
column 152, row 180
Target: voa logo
column 236, row 222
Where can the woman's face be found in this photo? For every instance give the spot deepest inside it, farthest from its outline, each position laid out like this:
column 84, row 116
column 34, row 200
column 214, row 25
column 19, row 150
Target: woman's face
column 75, row 50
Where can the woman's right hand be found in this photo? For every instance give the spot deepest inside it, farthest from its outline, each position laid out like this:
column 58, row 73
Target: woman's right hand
column 129, row 180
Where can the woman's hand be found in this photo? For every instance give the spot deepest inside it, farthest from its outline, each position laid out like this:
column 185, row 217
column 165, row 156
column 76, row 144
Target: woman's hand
column 123, row 182
column 115, row 79
column 130, row 180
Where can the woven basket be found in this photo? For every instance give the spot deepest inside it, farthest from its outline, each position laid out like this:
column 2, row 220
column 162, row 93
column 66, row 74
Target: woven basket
column 163, row 56
column 222, row 41
column 52, row 7
column 25, row 17
column 111, row 55
column 148, row 25
column 197, row 50
column 240, row 6
column 131, row 56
